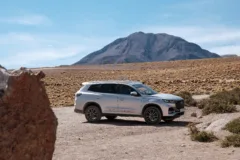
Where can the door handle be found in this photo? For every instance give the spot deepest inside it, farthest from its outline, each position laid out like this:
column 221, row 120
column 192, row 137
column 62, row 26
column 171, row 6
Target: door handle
column 121, row 99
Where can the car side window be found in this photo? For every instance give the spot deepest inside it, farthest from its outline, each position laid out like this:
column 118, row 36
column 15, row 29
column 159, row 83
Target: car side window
column 95, row 88
column 124, row 89
column 103, row 88
column 108, row 88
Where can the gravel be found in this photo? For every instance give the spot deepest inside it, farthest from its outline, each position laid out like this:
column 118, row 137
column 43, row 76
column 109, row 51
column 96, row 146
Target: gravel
column 130, row 139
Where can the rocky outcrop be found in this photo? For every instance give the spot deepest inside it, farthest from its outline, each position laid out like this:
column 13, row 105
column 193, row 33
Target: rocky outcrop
column 3, row 78
column 27, row 123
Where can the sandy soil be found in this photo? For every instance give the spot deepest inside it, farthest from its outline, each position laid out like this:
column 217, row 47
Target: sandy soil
column 131, row 138
column 205, row 76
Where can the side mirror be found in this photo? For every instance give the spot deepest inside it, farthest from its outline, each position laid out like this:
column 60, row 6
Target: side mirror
column 134, row 93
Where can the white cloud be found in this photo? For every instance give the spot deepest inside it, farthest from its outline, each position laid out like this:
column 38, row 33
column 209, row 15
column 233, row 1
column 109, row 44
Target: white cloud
column 40, row 55
column 27, row 20
column 199, row 34
column 229, row 49
column 34, row 50
column 218, row 39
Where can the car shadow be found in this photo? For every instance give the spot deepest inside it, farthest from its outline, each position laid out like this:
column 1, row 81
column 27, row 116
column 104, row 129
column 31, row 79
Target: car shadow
column 121, row 122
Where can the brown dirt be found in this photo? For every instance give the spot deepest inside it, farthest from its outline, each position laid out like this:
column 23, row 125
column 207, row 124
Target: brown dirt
column 130, row 138
column 195, row 76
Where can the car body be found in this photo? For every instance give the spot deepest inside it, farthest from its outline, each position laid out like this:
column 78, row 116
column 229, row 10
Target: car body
column 127, row 98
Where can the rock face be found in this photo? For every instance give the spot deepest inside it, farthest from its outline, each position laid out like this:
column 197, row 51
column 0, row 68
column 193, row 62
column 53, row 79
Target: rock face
column 3, row 78
column 146, row 47
column 27, row 123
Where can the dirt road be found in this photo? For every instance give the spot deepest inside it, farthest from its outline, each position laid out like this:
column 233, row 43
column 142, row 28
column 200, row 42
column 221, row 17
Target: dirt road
column 131, row 139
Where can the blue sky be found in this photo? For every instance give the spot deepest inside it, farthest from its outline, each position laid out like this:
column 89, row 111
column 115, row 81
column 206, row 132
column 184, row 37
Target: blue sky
column 53, row 32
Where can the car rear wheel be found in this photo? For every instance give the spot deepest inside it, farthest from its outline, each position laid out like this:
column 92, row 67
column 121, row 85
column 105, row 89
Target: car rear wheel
column 93, row 114
column 152, row 115
column 111, row 117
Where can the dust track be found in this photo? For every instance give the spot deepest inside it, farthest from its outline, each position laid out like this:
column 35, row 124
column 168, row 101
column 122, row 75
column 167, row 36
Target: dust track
column 132, row 139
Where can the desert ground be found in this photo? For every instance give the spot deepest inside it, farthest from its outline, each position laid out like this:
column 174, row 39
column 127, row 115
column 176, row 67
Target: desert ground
column 196, row 76
column 131, row 139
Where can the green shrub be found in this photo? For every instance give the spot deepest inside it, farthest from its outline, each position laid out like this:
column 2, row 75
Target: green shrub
column 201, row 136
column 218, row 106
column 232, row 96
column 222, row 102
column 232, row 140
column 202, row 103
column 189, row 101
column 204, row 136
column 233, row 126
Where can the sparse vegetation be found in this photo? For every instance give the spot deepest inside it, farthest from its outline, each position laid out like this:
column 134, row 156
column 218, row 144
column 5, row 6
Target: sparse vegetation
column 232, row 140
column 187, row 96
column 216, row 106
column 201, row 136
column 231, row 96
column 202, row 103
column 221, row 102
column 234, row 126
column 194, row 76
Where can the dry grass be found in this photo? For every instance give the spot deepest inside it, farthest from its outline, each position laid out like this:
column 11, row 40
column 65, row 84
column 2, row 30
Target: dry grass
column 232, row 140
column 232, row 96
column 201, row 136
column 234, row 126
column 221, row 102
column 189, row 101
column 194, row 76
column 218, row 106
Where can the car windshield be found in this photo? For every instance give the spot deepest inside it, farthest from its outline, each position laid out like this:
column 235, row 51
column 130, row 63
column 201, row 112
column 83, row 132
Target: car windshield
column 143, row 89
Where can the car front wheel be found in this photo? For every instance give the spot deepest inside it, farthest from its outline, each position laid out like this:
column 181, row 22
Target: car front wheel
column 93, row 114
column 152, row 115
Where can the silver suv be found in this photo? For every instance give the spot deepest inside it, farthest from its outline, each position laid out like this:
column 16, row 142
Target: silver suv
column 126, row 98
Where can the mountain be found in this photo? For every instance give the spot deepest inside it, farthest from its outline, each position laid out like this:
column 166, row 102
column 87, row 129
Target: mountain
column 229, row 55
column 146, row 47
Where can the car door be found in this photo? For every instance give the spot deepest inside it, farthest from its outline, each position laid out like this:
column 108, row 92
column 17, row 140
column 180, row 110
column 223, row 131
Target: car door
column 127, row 103
column 106, row 97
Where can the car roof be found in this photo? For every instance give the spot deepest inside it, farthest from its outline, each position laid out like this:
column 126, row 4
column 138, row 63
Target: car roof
column 128, row 82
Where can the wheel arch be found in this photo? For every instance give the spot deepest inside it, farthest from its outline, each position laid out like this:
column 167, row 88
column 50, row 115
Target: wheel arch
column 152, row 105
column 90, row 104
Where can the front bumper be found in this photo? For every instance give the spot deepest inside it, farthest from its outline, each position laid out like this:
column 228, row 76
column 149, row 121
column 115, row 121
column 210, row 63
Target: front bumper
column 175, row 115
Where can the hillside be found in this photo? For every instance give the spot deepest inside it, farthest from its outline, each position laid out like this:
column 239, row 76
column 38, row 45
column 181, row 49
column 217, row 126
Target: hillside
column 146, row 47
column 229, row 55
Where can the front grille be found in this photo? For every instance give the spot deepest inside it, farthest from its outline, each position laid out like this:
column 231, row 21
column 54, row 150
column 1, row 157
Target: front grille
column 180, row 104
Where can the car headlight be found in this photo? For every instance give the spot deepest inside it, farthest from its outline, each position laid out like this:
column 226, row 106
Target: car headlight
column 168, row 101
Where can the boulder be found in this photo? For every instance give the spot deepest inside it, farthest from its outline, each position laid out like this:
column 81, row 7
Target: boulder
column 3, row 78
column 27, row 123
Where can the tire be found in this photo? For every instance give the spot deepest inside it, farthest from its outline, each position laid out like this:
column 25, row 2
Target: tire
column 111, row 117
column 168, row 120
column 93, row 114
column 152, row 115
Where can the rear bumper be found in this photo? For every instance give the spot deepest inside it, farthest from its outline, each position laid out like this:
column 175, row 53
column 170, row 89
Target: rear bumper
column 78, row 111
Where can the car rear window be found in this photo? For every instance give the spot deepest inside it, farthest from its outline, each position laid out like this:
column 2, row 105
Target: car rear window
column 103, row 88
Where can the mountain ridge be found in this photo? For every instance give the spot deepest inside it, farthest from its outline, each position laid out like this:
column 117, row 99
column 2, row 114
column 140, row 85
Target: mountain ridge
column 146, row 47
